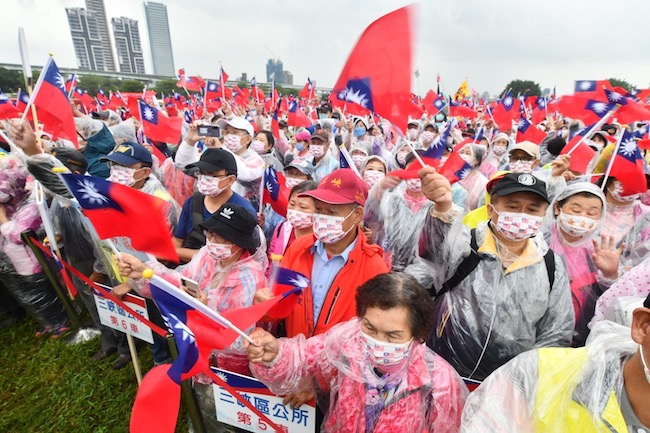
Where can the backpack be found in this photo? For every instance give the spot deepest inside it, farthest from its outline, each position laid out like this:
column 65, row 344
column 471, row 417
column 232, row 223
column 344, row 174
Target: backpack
column 195, row 239
column 471, row 262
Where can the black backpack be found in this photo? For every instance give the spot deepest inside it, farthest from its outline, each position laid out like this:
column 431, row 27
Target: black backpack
column 195, row 239
column 471, row 262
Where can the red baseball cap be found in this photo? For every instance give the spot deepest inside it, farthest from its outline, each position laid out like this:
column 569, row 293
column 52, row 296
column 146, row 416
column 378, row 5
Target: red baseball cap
column 342, row 186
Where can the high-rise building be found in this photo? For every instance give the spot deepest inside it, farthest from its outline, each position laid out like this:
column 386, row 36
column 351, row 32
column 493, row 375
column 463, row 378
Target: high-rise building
column 127, row 44
column 160, row 40
column 86, row 39
column 97, row 7
column 274, row 70
column 287, row 78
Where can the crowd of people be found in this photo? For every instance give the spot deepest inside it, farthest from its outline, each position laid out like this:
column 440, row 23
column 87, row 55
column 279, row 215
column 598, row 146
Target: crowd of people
column 522, row 276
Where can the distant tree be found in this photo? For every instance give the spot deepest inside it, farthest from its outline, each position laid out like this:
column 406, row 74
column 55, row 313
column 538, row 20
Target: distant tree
column 10, row 80
column 167, row 86
column 617, row 82
column 91, row 83
column 523, row 87
column 131, row 86
column 242, row 84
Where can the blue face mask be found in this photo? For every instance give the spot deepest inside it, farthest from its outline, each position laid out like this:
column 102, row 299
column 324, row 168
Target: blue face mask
column 300, row 146
column 440, row 117
column 322, row 116
column 359, row 132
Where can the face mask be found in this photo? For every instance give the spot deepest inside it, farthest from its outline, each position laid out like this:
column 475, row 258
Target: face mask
column 209, row 185
column 317, row 150
column 440, row 118
column 576, row 225
column 359, row 132
column 122, row 175
column 358, row 160
column 290, row 182
column 299, row 220
column 300, row 146
column 428, row 137
column 617, row 193
column 401, row 157
column 521, row 166
column 259, row 146
column 232, row 142
column 499, row 150
column 414, row 185
column 381, row 353
column 646, row 370
column 372, row 177
column 219, row 252
column 413, row 134
column 516, row 226
column 467, row 158
column 329, row 229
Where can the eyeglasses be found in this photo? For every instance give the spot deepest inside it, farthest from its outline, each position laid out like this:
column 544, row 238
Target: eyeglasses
column 520, row 159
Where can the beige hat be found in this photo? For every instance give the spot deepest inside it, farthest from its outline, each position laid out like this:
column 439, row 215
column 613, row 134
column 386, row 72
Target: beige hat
column 529, row 147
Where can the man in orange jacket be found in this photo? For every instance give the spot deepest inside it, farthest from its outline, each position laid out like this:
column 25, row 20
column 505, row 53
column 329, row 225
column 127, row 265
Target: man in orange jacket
column 336, row 259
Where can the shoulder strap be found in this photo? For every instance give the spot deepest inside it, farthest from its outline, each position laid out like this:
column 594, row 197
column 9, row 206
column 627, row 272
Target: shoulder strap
column 549, row 260
column 464, row 269
column 195, row 239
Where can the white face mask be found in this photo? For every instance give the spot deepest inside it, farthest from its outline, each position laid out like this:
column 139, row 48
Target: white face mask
column 329, row 229
column 317, row 150
column 382, row 353
column 401, row 157
column 299, row 219
column 232, row 142
column 259, row 147
column 499, row 150
column 576, row 225
column 616, row 190
column 290, row 182
column 414, row 185
column 413, row 134
column 516, row 226
column 209, row 185
column 122, row 175
column 358, row 160
column 219, row 252
column 521, row 167
column 372, row 177
column 428, row 137
column 646, row 370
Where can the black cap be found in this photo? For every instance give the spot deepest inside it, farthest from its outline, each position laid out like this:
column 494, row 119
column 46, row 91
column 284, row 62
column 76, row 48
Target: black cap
column 646, row 303
column 555, row 145
column 517, row 182
column 235, row 224
column 214, row 160
column 71, row 158
column 129, row 153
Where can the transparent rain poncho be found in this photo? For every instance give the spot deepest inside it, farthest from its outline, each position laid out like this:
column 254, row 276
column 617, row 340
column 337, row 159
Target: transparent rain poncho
column 494, row 313
column 425, row 394
column 556, row 389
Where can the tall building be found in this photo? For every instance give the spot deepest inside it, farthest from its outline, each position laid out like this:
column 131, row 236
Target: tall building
column 274, row 70
column 127, row 44
column 86, row 39
column 160, row 39
column 287, row 78
column 97, row 7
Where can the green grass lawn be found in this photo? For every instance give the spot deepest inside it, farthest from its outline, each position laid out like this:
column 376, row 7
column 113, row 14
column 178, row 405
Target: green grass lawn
column 49, row 386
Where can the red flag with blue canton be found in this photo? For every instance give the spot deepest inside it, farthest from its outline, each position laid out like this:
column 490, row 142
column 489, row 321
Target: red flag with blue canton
column 526, row 131
column 296, row 117
column 455, row 168
column 627, row 166
column 159, row 127
column 7, row 109
column 275, row 192
column 51, row 100
column 377, row 74
column 118, row 210
column 505, row 111
column 456, row 109
column 289, row 284
column 629, row 110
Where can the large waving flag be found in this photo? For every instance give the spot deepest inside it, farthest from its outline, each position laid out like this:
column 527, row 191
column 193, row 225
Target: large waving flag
column 118, row 210
column 627, row 166
column 377, row 74
column 275, row 191
column 296, row 117
column 629, row 110
column 51, row 101
column 590, row 88
column 159, row 127
column 197, row 330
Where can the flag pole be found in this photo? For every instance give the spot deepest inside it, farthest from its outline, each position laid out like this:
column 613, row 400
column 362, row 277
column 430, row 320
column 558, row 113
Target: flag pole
column 222, row 83
column 593, row 129
column 420, row 160
column 27, row 75
column 261, row 205
column 611, row 161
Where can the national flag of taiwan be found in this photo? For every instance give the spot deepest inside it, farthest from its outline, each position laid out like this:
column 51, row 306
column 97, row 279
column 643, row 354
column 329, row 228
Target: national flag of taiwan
column 589, row 88
column 629, row 110
column 101, row 96
column 581, row 155
column 585, row 109
column 540, row 109
column 455, row 168
column 457, row 109
column 71, row 82
column 190, row 83
column 377, row 74
column 289, row 284
column 433, row 103
column 430, row 157
column 296, row 117
column 159, row 127
column 307, row 90
column 7, row 109
column 197, row 330
column 51, row 100
column 22, row 100
column 223, row 77
column 505, row 111
column 627, row 166
column 118, row 210
column 526, row 131
column 276, row 192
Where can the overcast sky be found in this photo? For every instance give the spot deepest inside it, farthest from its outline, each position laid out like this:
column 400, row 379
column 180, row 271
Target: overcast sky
column 552, row 42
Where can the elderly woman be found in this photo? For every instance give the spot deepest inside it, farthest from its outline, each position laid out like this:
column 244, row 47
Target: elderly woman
column 578, row 215
column 372, row 373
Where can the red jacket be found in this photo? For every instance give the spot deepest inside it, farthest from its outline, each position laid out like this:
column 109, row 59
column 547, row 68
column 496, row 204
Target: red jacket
column 364, row 262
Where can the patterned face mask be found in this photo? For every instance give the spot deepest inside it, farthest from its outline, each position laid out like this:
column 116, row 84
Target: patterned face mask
column 516, row 226
column 521, row 166
column 414, row 185
column 290, row 182
column 122, row 175
column 382, row 353
column 576, row 225
column 616, row 190
column 232, row 142
column 209, row 185
column 329, row 228
column 299, row 219
column 372, row 177
column 219, row 251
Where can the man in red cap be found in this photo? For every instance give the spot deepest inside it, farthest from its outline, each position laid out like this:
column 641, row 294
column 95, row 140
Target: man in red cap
column 336, row 259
